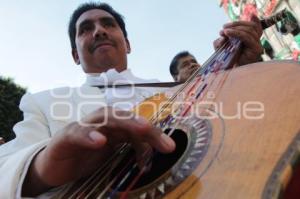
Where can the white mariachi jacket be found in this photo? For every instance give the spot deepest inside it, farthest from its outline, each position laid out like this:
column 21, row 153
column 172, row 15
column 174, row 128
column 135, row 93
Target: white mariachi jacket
column 47, row 112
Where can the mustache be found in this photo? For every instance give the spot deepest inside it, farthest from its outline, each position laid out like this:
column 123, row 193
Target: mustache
column 194, row 66
column 100, row 42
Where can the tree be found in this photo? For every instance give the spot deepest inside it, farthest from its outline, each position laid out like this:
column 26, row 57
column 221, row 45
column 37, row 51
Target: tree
column 10, row 114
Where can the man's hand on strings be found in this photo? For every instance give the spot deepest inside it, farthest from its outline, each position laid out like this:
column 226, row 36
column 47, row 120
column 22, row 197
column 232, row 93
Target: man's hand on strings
column 81, row 148
column 249, row 32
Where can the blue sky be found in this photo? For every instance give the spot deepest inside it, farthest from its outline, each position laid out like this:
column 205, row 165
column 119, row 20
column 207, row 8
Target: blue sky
column 35, row 48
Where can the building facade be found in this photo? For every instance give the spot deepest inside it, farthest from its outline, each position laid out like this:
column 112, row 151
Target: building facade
column 281, row 41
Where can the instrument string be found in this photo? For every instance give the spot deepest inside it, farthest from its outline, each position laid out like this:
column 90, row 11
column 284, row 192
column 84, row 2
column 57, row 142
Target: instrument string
column 143, row 167
column 199, row 71
column 137, row 177
column 153, row 119
column 205, row 68
column 101, row 171
column 203, row 71
column 109, row 185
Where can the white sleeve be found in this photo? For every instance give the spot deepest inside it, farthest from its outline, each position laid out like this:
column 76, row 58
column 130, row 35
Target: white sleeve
column 32, row 134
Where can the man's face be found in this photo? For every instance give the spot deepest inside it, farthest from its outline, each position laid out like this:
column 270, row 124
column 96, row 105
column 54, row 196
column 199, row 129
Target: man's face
column 186, row 66
column 100, row 43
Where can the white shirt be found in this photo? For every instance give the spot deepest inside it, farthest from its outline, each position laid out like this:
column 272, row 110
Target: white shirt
column 124, row 97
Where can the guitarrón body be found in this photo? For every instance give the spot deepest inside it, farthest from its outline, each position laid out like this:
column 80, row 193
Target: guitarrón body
column 254, row 160
column 247, row 150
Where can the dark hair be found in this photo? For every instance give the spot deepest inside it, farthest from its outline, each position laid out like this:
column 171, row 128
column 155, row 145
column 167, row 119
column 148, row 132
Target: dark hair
column 174, row 62
column 89, row 6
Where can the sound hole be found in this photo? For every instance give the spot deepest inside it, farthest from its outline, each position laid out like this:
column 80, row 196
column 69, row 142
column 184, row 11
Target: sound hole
column 161, row 163
column 292, row 190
